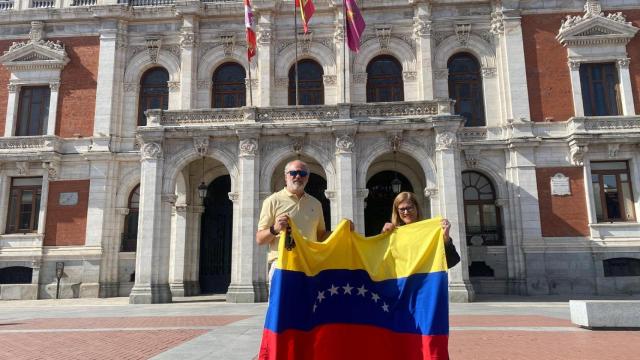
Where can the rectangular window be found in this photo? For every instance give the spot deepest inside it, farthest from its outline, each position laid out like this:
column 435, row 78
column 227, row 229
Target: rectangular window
column 24, row 205
column 612, row 192
column 33, row 110
column 600, row 89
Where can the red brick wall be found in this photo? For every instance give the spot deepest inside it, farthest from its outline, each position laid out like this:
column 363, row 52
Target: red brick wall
column 66, row 225
column 4, row 81
column 633, row 50
column 562, row 215
column 548, row 79
column 77, row 104
column 77, row 98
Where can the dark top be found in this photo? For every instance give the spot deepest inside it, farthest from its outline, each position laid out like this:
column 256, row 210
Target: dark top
column 453, row 258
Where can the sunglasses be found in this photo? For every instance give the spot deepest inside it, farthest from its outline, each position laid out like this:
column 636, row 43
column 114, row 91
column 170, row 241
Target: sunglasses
column 406, row 209
column 293, row 173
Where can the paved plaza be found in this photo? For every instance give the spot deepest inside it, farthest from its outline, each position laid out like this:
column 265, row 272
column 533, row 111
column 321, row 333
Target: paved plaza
column 209, row 328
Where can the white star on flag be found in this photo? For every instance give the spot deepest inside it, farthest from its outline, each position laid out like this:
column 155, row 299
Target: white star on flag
column 315, row 307
column 385, row 307
column 347, row 289
column 333, row 290
column 375, row 297
column 362, row 290
column 320, row 296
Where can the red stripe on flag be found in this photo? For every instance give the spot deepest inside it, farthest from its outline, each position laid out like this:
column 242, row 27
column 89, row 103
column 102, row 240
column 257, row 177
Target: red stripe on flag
column 348, row 342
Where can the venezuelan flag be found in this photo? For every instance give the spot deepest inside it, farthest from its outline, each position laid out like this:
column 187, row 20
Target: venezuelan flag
column 351, row 297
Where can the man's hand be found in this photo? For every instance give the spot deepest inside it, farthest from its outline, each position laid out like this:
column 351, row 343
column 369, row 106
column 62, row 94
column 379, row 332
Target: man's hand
column 388, row 227
column 446, row 225
column 282, row 221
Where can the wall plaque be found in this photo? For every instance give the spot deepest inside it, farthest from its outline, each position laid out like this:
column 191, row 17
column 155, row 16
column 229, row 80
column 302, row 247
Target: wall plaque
column 560, row 185
column 68, row 198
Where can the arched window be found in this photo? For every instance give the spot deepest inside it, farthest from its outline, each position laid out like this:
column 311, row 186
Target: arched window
column 229, row 88
column 481, row 215
column 154, row 92
column 310, row 85
column 465, row 87
column 384, row 80
column 130, row 234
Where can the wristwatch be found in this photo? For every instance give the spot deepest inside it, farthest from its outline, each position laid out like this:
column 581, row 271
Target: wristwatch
column 273, row 231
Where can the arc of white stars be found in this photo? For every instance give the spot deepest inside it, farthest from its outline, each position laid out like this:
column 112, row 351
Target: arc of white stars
column 362, row 290
column 375, row 297
column 333, row 290
column 320, row 296
column 347, row 289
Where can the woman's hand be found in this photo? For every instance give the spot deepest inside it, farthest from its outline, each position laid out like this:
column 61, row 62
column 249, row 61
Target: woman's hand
column 388, row 227
column 446, row 225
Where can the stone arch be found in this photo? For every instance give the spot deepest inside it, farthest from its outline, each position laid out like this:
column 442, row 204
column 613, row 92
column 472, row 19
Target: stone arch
column 476, row 46
column 180, row 160
column 140, row 63
column 397, row 48
column 127, row 183
column 277, row 156
column 215, row 57
column 418, row 154
column 493, row 173
column 317, row 52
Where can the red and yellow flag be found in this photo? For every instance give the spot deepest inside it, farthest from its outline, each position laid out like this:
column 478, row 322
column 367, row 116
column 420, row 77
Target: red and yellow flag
column 251, row 35
column 306, row 12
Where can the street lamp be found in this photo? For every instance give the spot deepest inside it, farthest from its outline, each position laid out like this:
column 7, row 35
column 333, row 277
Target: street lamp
column 396, row 184
column 202, row 188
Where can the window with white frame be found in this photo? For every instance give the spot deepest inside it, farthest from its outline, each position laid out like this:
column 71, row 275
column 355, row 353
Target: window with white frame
column 24, row 205
column 33, row 110
column 612, row 191
column 598, row 61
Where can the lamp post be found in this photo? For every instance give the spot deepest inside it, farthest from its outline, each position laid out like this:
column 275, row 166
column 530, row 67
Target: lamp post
column 202, row 188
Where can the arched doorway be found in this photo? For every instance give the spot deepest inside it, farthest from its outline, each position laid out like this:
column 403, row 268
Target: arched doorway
column 380, row 200
column 215, row 237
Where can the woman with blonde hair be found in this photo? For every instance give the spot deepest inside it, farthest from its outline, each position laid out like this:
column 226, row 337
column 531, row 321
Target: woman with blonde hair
column 405, row 211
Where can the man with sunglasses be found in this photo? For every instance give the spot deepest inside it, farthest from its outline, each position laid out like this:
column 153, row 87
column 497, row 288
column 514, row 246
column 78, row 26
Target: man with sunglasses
column 290, row 203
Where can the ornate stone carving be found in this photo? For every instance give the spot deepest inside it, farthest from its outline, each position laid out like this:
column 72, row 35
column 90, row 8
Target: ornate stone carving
column 359, row 78
column 12, row 88
column 305, row 40
column 37, row 31
column 489, row 72
column 577, row 152
column 248, row 147
column 574, row 65
column 613, row 150
column 228, row 43
column 297, row 143
column 234, row 196
column 463, row 31
column 151, row 151
column 497, row 23
column 362, row 193
column 592, row 9
column 153, row 49
column 187, row 38
column 383, row 32
column 174, row 86
column 53, row 169
column 394, row 141
column 445, row 140
column 264, row 35
column 201, row 144
column 330, row 194
column 421, row 27
column 330, row 80
column 54, row 85
column 623, row 63
column 344, row 144
column 409, row 75
column 169, row 198
column 439, row 36
column 471, row 157
column 23, row 167
column 52, row 52
column 430, row 193
column 338, row 34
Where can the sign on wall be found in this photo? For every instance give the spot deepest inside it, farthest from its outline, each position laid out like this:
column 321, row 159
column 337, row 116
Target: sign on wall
column 560, row 185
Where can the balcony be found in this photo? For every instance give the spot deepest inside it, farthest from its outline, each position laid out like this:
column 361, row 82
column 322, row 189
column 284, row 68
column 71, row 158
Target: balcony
column 417, row 111
column 6, row 5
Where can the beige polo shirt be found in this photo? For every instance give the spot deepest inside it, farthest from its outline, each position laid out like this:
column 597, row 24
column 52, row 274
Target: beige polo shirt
column 306, row 212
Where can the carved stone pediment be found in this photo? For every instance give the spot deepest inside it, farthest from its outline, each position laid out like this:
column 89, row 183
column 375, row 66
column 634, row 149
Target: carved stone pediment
column 39, row 54
column 596, row 27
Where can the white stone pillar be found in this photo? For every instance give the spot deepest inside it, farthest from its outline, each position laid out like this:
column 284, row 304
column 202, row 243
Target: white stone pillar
column 53, row 108
column 178, row 251
column 343, row 68
column 345, row 177
column 113, row 45
column 626, row 91
column 261, row 269
column 109, row 267
column 576, row 89
column 452, row 207
column 5, row 186
column 508, row 27
column 265, row 54
column 44, row 202
column 424, row 51
column 12, row 109
column 245, row 201
column 361, row 202
column 151, row 286
column 192, row 251
column 188, row 61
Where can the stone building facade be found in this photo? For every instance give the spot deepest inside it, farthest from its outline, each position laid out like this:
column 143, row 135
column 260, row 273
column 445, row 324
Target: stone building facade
column 536, row 162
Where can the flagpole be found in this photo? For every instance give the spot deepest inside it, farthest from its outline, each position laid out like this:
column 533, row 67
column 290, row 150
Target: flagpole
column 295, row 34
column 344, row 53
column 250, row 90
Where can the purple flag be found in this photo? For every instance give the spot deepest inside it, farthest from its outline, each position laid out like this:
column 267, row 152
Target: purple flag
column 355, row 24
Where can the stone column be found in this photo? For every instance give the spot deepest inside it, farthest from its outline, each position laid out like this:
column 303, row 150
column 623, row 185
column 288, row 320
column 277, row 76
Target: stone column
column 343, row 68
column 12, row 109
column 361, row 198
column 506, row 25
column 576, row 89
column 177, row 258
column 151, row 285
column 525, row 216
column 260, row 270
column 422, row 34
column 113, row 43
column 188, row 61
column 264, row 57
column 245, row 217
column 345, row 177
column 109, row 268
column 626, row 91
column 44, row 201
column 5, row 186
column 451, row 207
column 53, row 108
column 192, row 251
